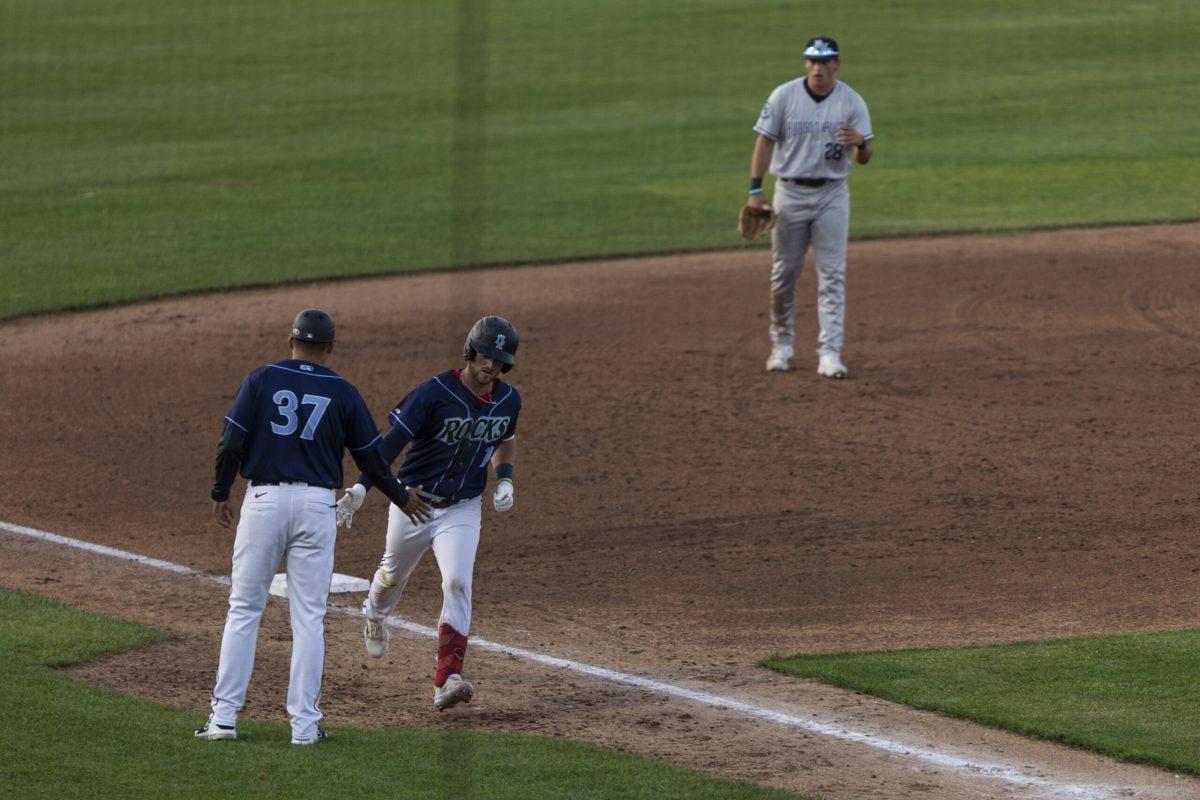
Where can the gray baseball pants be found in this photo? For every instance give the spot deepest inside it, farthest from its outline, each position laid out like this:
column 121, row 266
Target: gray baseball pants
column 821, row 216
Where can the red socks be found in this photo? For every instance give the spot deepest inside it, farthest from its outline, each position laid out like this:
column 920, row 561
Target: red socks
column 452, row 649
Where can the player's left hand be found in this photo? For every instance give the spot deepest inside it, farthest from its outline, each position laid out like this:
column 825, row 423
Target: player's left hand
column 848, row 136
column 502, row 500
column 222, row 513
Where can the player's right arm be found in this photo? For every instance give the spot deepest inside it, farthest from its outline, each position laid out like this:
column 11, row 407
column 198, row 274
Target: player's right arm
column 231, row 449
column 390, row 448
column 374, row 459
column 759, row 162
column 769, row 128
column 408, row 419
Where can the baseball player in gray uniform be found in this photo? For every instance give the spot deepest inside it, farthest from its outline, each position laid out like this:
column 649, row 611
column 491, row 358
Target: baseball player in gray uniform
column 808, row 132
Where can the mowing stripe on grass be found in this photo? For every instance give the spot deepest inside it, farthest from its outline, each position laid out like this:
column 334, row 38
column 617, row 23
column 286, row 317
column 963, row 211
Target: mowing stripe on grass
column 1016, row 777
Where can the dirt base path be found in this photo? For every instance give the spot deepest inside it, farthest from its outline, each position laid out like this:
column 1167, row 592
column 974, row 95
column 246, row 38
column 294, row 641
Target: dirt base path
column 1009, row 460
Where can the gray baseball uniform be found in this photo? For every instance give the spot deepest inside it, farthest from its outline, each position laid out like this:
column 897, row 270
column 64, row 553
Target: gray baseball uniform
column 816, row 210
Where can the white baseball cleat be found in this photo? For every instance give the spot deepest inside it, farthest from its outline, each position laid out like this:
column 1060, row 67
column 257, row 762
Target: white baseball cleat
column 211, row 730
column 318, row 738
column 781, row 354
column 454, row 691
column 376, row 638
column 831, row 366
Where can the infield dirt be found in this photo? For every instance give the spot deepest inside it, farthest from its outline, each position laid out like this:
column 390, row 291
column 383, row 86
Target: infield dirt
column 1012, row 458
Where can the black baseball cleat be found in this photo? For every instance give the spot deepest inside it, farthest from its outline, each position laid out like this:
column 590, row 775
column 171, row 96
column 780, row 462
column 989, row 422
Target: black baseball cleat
column 320, row 737
column 211, row 730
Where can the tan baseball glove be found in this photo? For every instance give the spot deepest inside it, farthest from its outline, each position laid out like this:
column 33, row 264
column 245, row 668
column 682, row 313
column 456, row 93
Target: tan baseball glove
column 754, row 221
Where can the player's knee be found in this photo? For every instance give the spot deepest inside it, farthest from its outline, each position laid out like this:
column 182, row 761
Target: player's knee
column 782, row 282
column 308, row 617
column 243, row 615
column 455, row 586
column 386, row 579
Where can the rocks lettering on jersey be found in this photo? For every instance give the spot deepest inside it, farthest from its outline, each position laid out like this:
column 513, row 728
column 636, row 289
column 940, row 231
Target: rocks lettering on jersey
column 477, row 429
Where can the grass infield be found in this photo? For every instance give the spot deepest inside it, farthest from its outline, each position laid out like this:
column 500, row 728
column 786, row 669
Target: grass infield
column 160, row 146
column 63, row 738
column 1134, row 697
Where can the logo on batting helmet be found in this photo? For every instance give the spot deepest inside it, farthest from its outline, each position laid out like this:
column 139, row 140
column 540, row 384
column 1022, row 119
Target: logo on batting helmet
column 313, row 325
column 821, row 48
column 494, row 337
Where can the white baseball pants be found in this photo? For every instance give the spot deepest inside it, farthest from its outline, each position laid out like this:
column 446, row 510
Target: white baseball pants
column 821, row 216
column 296, row 521
column 453, row 533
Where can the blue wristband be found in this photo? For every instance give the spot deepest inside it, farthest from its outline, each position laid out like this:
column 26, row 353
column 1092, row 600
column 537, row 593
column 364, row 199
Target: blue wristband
column 755, row 191
column 504, row 471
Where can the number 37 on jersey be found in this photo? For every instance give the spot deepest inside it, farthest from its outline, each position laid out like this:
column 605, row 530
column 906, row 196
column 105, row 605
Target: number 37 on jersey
column 289, row 407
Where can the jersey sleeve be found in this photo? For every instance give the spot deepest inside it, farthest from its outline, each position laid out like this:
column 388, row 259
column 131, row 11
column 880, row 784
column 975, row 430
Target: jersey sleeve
column 408, row 419
column 412, row 414
column 860, row 119
column 361, row 432
column 241, row 413
column 770, row 121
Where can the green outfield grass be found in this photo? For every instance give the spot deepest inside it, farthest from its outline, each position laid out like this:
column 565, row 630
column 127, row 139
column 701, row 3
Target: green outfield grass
column 1134, row 697
column 160, row 147
column 63, row 738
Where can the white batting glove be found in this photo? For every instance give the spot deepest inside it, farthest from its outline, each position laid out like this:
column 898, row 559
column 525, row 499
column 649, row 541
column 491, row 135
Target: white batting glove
column 351, row 501
column 502, row 500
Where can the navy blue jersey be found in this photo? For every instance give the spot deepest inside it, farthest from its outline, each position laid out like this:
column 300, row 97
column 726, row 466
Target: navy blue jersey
column 298, row 417
column 453, row 433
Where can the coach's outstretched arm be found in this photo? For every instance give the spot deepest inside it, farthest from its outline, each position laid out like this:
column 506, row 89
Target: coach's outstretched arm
column 375, row 469
column 388, row 449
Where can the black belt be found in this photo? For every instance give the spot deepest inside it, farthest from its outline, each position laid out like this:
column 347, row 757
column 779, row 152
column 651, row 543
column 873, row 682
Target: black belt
column 435, row 501
column 286, row 483
column 814, row 182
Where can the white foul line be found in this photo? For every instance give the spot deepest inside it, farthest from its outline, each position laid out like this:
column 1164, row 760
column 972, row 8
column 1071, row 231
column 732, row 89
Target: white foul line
column 963, row 766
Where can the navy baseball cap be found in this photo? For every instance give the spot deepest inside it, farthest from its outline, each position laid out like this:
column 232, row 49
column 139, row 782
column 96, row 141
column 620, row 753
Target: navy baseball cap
column 821, row 48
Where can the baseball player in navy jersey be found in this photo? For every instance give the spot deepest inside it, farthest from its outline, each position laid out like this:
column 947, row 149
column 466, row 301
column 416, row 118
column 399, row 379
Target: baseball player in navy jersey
column 287, row 431
column 457, row 423
column 807, row 132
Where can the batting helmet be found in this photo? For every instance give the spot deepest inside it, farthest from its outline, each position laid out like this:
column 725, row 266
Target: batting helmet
column 313, row 325
column 496, row 338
